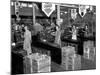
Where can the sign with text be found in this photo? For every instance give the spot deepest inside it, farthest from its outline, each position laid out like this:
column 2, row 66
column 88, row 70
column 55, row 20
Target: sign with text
column 82, row 10
column 48, row 8
column 16, row 8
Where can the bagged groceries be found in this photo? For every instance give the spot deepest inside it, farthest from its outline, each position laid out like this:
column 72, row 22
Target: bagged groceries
column 37, row 63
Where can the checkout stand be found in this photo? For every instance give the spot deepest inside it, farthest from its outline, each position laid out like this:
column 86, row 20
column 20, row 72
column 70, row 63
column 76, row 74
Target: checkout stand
column 78, row 44
column 18, row 54
column 17, row 57
column 54, row 49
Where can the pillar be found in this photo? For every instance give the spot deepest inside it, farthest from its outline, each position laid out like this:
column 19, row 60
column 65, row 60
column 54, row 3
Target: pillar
column 58, row 33
column 33, row 14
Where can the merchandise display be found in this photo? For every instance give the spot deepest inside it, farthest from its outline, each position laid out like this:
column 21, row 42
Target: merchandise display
column 89, row 50
column 68, row 53
column 37, row 63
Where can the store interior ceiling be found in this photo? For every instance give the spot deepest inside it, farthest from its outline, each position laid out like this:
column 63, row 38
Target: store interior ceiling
column 28, row 10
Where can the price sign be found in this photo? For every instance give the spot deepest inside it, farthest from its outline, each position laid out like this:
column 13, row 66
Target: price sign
column 16, row 8
column 48, row 8
column 82, row 10
column 17, row 5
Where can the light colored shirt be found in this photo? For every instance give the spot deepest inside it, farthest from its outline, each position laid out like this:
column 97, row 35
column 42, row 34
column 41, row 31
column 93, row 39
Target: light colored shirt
column 27, row 41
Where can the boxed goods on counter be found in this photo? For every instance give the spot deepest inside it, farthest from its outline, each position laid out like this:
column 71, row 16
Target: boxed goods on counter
column 77, row 62
column 75, row 45
column 89, row 44
column 89, row 50
column 70, row 61
column 37, row 63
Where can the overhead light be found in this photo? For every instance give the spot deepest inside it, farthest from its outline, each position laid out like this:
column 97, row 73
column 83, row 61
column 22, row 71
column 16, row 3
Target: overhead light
column 29, row 5
column 24, row 5
column 44, row 40
column 13, row 44
column 12, row 3
column 87, row 6
column 61, row 13
column 91, row 8
column 65, row 12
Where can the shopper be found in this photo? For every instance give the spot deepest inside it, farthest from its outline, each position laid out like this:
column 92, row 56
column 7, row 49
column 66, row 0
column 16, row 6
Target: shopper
column 38, row 27
column 58, row 35
column 27, row 40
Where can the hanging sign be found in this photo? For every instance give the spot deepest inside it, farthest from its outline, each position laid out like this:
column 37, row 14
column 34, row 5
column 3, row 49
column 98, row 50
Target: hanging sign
column 82, row 10
column 17, row 5
column 48, row 8
column 73, row 13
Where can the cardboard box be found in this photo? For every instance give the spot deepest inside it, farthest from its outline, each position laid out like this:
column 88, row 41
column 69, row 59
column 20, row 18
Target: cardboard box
column 70, row 60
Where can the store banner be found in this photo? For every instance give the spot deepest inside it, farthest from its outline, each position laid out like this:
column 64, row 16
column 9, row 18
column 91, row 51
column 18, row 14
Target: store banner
column 82, row 10
column 73, row 14
column 48, row 8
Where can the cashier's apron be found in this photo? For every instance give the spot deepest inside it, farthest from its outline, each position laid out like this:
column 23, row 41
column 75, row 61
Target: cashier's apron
column 27, row 42
column 57, row 37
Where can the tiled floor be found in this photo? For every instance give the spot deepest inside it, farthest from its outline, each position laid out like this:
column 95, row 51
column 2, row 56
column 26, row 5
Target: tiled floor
column 56, row 67
column 85, row 65
column 88, row 64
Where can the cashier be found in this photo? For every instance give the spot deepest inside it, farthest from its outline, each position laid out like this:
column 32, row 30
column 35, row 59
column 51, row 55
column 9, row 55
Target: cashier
column 27, row 40
column 74, row 33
